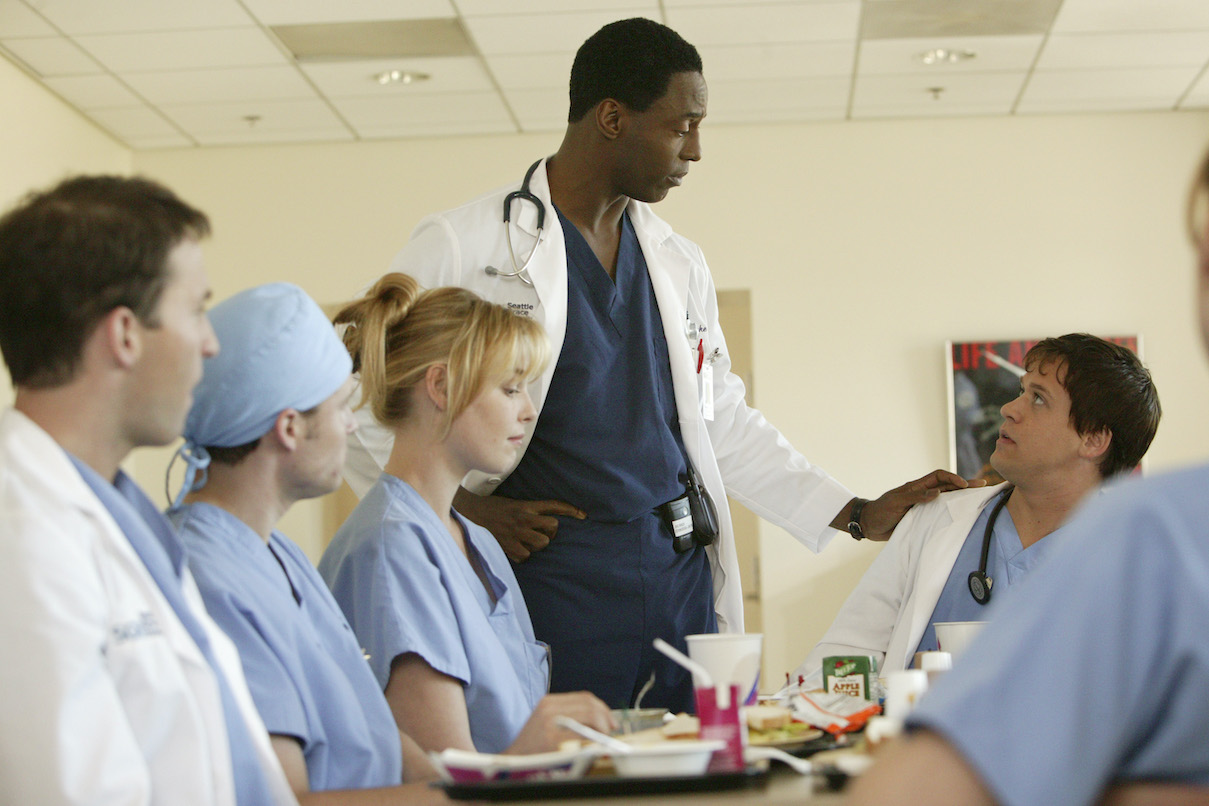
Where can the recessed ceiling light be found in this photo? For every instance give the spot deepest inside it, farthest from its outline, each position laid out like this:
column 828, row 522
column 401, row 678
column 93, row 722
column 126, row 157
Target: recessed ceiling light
column 400, row 77
column 946, row 56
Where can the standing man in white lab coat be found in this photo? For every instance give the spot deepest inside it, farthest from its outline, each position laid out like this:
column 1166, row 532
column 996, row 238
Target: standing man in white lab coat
column 116, row 686
column 640, row 410
column 1087, row 411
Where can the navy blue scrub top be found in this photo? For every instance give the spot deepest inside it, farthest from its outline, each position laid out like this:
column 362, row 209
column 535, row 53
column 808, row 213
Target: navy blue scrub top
column 608, row 441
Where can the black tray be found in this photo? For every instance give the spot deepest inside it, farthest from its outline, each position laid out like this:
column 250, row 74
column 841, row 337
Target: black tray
column 596, row 786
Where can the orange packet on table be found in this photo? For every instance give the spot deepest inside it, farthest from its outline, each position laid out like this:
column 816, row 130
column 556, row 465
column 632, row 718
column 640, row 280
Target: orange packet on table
column 835, row 713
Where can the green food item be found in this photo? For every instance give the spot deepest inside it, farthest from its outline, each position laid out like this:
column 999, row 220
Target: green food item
column 849, row 674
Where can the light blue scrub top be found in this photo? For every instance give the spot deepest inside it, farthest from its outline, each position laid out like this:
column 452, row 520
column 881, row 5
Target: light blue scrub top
column 406, row 587
column 160, row 549
column 305, row 669
column 1008, row 563
column 1098, row 668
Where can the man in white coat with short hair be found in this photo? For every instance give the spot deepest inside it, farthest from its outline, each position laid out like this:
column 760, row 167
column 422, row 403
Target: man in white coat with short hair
column 1087, row 411
column 115, row 686
column 639, row 410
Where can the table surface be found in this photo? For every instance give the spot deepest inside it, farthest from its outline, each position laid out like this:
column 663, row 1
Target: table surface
column 783, row 788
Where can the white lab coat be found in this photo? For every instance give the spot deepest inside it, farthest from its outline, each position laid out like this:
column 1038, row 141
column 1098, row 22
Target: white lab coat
column 888, row 611
column 761, row 469
column 104, row 696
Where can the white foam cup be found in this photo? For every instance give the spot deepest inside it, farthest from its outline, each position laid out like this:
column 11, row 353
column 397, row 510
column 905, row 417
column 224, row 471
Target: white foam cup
column 904, row 687
column 732, row 658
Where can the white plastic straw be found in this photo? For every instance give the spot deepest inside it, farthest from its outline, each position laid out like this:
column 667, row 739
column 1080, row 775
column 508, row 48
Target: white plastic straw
column 701, row 675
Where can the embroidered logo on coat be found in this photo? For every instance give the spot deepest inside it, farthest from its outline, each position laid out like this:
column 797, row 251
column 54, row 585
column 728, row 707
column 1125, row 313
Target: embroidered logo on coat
column 142, row 627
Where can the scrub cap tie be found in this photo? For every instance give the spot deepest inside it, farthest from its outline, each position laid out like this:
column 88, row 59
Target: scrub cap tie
column 277, row 351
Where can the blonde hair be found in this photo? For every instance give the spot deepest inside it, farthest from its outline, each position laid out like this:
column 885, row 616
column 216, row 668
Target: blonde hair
column 398, row 330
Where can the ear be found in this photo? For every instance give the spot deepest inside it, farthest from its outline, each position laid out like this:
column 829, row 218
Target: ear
column 1096, row 443
column 122, row 335
column 610, row 118
column 289, row 429
column 436, row 385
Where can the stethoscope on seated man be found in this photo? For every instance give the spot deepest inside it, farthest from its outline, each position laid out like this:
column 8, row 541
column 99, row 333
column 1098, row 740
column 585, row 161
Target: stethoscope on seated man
column 980, row 583
column 521, row 272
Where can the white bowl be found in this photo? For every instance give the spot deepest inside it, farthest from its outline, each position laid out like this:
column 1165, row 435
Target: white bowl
column 464, row 767
column 954, row 636
column 666, row 759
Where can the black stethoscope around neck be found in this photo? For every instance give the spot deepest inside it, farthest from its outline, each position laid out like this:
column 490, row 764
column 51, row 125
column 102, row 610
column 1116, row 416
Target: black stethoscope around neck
column 521, row 271
column 980, row 583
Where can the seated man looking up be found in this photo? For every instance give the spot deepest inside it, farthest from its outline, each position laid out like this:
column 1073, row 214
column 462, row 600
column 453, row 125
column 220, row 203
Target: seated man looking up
column 1091, row 687
column 267, row 429
column 1087, row 410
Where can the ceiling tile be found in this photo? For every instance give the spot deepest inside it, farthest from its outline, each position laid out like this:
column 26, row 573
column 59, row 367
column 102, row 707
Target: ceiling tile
column 1165, row 49
column 216, row 86
column 52, row 56
column 213, row 62
column 353, row 79
column 306, row 12
column 127, row 16
column 476, row 108
column 18, row 19
column 540, row 110
column 92, row 92
column 993, row 54
column 326, row 134
column 984, row 90
column 1198, row 96
column 542, row 33
column 1071, row 85
column 926, row 110
column 1132, row 15
column 272, row 116
column 784, row 60
column 733, row 100
column 162, row 141
column 927, row 19
column 534, row 71
column 622, row 8
column 183, row 50
column 134, row 121
column 420, row 128
column 1075, row 105
column 803, row 115
column 762, row 24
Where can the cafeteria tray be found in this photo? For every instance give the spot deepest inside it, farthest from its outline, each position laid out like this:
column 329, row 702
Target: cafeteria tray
column 596, row 786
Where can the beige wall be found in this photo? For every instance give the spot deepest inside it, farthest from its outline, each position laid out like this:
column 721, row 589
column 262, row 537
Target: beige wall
column 865, row 245
column 41, row 141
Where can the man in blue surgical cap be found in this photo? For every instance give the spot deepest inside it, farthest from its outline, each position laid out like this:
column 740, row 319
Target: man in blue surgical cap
column 268, row 427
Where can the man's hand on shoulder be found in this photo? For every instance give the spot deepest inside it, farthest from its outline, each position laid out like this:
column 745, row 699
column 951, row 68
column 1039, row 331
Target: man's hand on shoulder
column 520, row 527
column 882, row 514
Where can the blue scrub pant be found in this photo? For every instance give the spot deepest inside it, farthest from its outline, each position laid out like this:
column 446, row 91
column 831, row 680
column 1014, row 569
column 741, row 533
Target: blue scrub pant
column 601, row 593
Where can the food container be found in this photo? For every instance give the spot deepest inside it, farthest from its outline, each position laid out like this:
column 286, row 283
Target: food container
column 666, row 759
column 463, row 767
column 850, row 674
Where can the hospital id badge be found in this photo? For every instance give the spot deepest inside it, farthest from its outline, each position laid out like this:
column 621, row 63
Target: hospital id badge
column 707, row 391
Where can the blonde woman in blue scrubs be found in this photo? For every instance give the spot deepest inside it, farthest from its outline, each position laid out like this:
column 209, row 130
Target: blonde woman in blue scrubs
column 431, row 595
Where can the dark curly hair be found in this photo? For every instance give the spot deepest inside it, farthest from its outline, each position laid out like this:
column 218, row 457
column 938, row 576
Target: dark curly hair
column 631, row 61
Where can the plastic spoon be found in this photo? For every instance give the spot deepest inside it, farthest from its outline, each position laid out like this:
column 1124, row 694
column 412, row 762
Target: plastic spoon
column 798, row 765
column 583, row 730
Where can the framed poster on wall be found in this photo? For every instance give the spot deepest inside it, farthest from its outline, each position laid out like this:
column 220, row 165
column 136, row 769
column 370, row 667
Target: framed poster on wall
column 982, row 376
